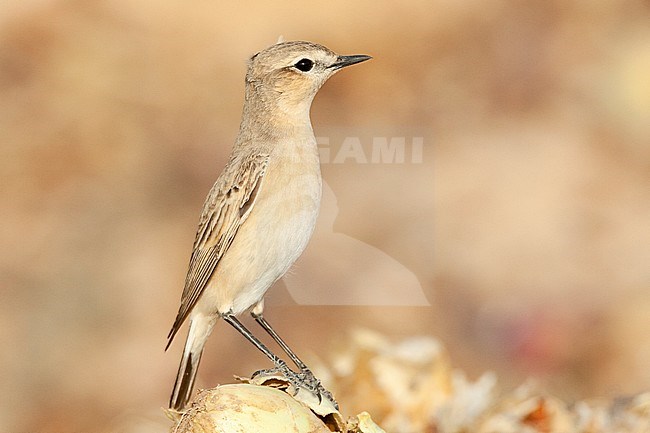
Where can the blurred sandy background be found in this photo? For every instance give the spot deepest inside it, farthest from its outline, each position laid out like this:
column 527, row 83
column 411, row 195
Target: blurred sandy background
column 527, row 224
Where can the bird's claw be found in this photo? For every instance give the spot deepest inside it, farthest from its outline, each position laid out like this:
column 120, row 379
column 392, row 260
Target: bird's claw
column 305, row 379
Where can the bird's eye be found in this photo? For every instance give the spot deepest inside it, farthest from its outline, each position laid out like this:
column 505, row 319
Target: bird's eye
column 304, row 65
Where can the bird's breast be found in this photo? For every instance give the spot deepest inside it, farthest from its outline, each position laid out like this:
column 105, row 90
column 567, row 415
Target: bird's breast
column 276, row 232
column 291, row 192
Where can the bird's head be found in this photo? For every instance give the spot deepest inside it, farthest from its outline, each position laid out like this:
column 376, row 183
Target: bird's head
column 288, row 74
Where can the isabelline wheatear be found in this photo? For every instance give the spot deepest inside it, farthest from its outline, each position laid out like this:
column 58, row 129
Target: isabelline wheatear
column 260, row 213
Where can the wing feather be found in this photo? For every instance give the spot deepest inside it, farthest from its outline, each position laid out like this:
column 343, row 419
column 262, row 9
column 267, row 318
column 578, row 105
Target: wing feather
column 227, row 207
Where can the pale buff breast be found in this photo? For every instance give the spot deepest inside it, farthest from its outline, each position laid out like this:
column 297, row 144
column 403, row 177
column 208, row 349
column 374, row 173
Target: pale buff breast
column 275, row 234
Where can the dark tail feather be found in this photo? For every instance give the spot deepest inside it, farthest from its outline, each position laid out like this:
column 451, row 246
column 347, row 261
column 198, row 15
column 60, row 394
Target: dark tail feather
column 172, row 333
column 185, row 381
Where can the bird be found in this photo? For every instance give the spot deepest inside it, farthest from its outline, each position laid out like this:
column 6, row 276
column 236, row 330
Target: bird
column 260, row 213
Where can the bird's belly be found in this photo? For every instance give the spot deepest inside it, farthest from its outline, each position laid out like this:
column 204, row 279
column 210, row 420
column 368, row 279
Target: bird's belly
column 268, row 243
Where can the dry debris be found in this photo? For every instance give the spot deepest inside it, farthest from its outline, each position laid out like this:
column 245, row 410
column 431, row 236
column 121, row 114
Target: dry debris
column 411, row 387
column 408, row 387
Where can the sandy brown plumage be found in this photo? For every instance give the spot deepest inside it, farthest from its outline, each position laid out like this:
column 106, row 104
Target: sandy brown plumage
column 261, row 212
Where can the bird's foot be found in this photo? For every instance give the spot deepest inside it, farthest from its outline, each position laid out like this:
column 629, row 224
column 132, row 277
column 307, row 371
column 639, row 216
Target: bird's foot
column 316, row 387
column 281, row 369
column 305, row 380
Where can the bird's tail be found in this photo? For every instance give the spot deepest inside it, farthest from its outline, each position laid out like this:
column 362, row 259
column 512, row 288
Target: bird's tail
column 200, row 328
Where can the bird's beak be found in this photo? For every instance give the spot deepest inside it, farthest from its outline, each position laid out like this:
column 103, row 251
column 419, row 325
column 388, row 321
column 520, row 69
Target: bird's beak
column 343, row 61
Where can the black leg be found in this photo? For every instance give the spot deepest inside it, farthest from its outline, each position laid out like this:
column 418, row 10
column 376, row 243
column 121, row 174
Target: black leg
column 306, row 379
column 232, row 320
column 267, row 327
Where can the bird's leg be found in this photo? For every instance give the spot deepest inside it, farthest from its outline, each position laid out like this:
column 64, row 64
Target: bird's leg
column 259, row 318
column 308, row 377
column 304, row 380
column 279, row 363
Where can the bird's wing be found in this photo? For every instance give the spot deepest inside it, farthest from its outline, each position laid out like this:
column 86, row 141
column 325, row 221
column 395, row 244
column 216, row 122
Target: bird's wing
column 225, row 210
